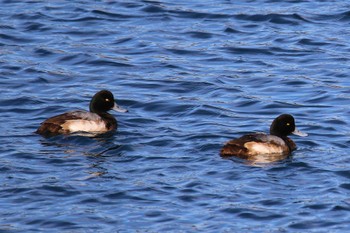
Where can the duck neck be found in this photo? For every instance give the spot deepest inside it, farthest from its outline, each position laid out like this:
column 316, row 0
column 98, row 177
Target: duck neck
column 275, row 133
column 287, row 140
column 95, row 109
column 291, row 145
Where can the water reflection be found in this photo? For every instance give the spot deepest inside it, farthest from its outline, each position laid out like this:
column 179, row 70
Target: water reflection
column 94, row 148
column 262, row 160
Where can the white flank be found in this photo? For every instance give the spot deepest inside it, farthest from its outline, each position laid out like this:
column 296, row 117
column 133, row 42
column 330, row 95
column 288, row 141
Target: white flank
column 263, row 148
column 84, row 125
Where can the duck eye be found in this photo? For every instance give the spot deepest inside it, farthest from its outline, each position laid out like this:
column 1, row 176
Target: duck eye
column 288, row 124
column 107, row 100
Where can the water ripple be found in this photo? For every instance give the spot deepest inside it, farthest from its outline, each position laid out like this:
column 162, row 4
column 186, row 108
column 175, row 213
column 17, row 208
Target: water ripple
column 292, row 19
column 192, row 75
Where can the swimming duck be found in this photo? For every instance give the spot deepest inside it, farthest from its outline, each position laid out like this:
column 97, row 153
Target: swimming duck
column 96, row 121
column 274, row 146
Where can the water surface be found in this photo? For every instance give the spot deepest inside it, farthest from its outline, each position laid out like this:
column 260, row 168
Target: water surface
column 193, row 75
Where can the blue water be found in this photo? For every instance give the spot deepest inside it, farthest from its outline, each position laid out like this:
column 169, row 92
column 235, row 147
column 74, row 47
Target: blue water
column 193, row 74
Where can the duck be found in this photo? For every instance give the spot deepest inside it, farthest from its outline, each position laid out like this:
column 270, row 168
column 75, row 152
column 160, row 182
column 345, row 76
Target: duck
column 95, row 121
column 263, row 147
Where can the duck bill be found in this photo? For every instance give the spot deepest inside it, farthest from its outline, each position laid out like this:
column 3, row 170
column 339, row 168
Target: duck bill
column 117, row 108
column 299, row 133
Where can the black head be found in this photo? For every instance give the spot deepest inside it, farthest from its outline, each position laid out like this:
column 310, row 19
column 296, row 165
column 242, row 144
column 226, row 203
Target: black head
column 102, row 101
column 283, row 125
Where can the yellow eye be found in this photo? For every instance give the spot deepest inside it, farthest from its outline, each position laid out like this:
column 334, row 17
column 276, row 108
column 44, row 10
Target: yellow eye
column 288, row 124
column 107, row 100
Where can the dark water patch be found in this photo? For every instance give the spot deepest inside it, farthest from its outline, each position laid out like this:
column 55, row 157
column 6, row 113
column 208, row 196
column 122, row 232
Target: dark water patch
column 270, row 202
column 319, row 98
column 345, row 16
column 104, row 62
column 15, row 39
column 345, row 186
column 75, row 59
column 290, row 52
column 13, row 191
column 311, row 42
column 31, row 16
column 197, row 15
column 187, row 198
column 345, row 208
column 302, row 165
column 4, row 169
column 112, row 14
column 43, row 52
column 55, row 223
column 90, row 201
column 120, row 196
column 85, row 32
column 317, row 206
column 155, row 214
column 23, row 100
column 281, row 105
column 123, row 40
column 336, row 122
column 200, row 35
column 296, row 83
column 163, row 107
column 11, row 67
column 33, row 70
column 84, row 19
column 257, row 216
column 7, row 27
column 291, row 19
column 248, row 51
column 345, row 174
column 232, row 30
column 183, row 51
column 130, row 5
column 59, row 191
column 154, row 9
column 35, row 26
column 312, row 224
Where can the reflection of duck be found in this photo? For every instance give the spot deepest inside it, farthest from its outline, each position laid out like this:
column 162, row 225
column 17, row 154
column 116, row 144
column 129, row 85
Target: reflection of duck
column 264, row 147
column 95, row 121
